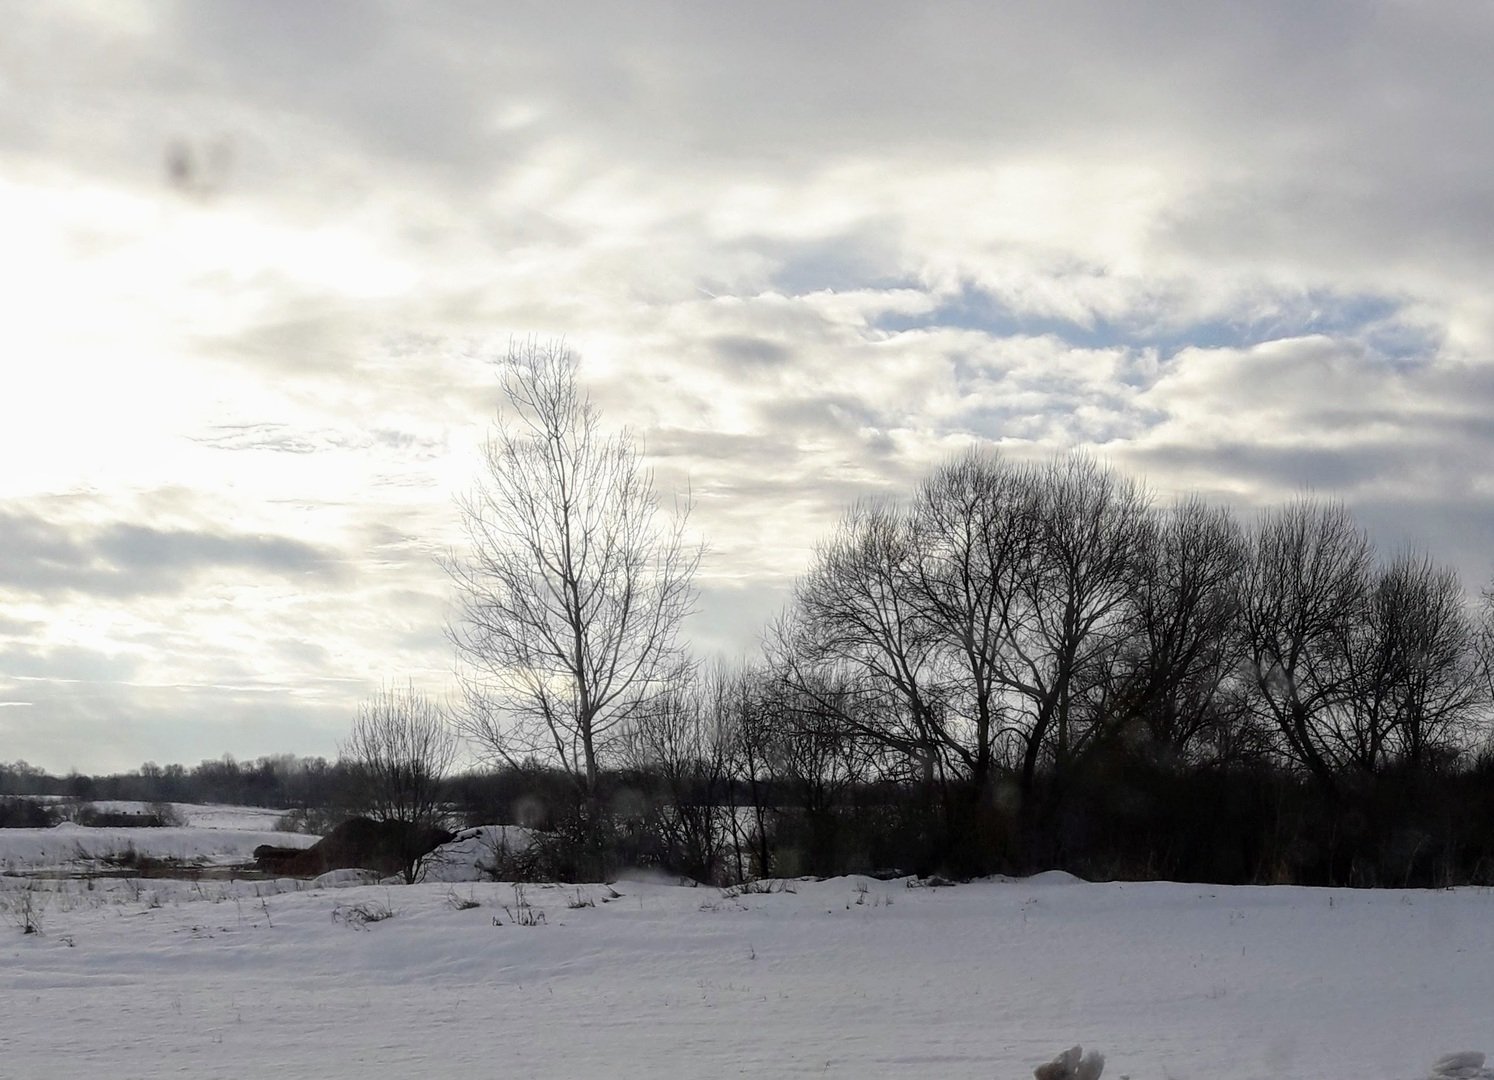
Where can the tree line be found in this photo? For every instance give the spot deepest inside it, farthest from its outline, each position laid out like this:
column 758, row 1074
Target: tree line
column 282, row 781
column 1018, row 665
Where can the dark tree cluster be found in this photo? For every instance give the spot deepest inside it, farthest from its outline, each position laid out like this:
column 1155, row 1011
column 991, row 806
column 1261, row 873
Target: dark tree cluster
column 282, row 781
column 1034, row 665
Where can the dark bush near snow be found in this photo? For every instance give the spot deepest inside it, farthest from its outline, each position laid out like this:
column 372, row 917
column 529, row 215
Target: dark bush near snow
column 26, row 814
column 390, row 847
column 159, row 816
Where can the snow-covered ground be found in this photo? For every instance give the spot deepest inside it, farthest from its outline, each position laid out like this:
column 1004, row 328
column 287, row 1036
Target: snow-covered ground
column 845, row 977
column 197, row 815
column 215, row 816
column 470, row 857
column 212, row 836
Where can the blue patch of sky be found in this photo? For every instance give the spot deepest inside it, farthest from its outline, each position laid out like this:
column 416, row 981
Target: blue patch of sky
column 1372, row 319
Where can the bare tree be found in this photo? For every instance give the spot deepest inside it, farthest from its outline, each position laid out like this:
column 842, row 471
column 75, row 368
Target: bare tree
column 400, row 750
column 1175, row 679
column 755, row 745
column 985, row 616
column 685, row 744
column 1071, row 620
column 820, row 757
column 852, row 612
column 572, row 587
column 1413, row 677
column 976, row 539
column 1484, row 648
column 1305, row 589
column 857, row 644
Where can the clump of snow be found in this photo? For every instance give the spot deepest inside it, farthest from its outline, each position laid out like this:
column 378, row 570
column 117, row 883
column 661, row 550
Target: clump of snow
column 1072, row 1064
column 1466, row 1065
column 473, row 852
column 341, row 879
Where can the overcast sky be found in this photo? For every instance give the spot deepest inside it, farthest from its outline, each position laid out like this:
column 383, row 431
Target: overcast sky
column 254, row 257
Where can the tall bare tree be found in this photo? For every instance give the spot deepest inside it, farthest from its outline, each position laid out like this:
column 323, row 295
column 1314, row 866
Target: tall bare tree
column 1484, row 647
column 1091, row 527
column 573, row 585
column 1175, row 679
column 1413, row 676
column 1305, row 590
column 399, row 751
column 977, row 538
column 856, row 624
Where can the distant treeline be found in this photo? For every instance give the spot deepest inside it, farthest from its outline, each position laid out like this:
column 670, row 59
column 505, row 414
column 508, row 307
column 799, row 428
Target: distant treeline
column 282, row 781
column 1122, row 814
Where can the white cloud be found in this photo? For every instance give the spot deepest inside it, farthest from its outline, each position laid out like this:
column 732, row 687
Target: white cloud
column 254, row 262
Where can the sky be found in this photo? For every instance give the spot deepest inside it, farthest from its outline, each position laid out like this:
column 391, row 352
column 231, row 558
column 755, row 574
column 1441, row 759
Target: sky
column 259, row 259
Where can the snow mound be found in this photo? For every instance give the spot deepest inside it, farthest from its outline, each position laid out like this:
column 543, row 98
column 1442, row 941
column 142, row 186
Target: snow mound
column 1466, row 1065
column 341, row 879
column 1072, row 1064
column 1054, row 877
column 470, row 855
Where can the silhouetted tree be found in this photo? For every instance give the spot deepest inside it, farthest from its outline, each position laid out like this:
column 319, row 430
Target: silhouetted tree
column 1175, row 678
column 685, row 744
column 1091, row 532
column 1305, row 589
column 1413, row 668
column 572, row 588
column 400, row 750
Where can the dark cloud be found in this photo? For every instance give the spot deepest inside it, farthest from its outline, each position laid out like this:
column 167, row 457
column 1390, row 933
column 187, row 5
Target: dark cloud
column 1407, row 495
column 122, row 559
column 695, row 446
column 11, row 627
column 751, row 352
column 801, row 416
column 144, row 552
column 1276, row 467
column 408, row 84
column 65, row 664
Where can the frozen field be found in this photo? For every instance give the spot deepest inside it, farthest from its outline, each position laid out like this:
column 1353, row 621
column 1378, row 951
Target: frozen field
column 212, row 836
column 845, row 978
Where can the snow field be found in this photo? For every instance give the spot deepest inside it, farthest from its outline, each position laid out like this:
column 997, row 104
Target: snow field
column 197, row 815
column 846, row 977
column 79, row 849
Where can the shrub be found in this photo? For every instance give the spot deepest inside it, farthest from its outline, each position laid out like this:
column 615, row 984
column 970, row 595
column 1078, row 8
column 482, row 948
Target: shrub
column 167, row 815
column 358, row 916
column 312, row 820
column 18, row 813
column 25, row 907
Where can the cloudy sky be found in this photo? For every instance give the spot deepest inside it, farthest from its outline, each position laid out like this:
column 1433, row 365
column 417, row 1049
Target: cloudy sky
column 256, row 257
